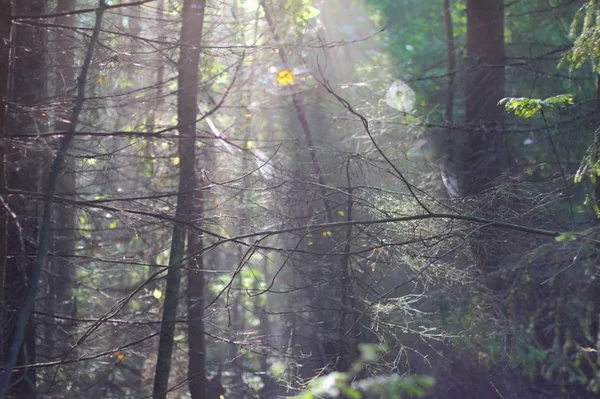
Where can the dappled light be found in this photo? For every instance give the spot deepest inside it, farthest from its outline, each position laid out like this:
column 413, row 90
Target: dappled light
column 359, row 199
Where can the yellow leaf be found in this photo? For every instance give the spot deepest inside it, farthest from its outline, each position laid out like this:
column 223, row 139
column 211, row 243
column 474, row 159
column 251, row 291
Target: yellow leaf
column 175, row 161
column 326, row 234
column 341, row 213
column 285, row 77
column 589, row 350
column 157, row 293
column 100, row 79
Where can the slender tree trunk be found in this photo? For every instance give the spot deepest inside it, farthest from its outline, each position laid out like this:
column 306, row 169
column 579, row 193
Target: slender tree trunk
column 310, row 337
column 149, row 167
column 5, row 42
column 301, row 115
column 348, row 303
column 63, row 236
column 22, row 163
column 195, row 305
column 187, row 109
column 198, row 384
column 451, row 59
column 597, row 147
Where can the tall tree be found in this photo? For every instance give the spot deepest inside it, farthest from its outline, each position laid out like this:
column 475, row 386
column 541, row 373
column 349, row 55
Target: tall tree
column 480, row 160
column 473, row 155
column 450, row 54
column 187, row 112
column 485, row 62
column 23, row 160
column 63, row 235
column 311, row 340
column 5, row 45
column 195, row 305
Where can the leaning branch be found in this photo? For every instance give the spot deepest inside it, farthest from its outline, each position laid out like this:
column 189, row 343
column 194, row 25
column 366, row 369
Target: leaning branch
column 365, row 122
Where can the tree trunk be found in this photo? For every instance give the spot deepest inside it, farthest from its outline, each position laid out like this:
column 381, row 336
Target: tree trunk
column 347, row 329
column 23, row 161
column 485, row 58
column 474, row 155
column 5, row 41
column 195, row 304
column 481, row 163
column 451, row 59
column 187, row 100
column 597, row 149
column 64, row 234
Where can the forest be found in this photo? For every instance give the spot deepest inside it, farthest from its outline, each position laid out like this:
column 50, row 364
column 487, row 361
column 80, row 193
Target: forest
column 360, row 199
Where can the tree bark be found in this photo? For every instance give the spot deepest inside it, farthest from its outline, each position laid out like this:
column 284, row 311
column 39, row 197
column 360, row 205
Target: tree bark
column 485, row 58
column 484, row 88
column 63, row 236
column 475, row 157
column 22, row 166
column 195, row 305
column 451, row 59
column 187, row 109
column 597, row 150
column 5, row 41
column 348, row 301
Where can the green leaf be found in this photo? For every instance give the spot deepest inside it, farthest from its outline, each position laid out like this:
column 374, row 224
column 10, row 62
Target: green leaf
column 528, row 107
column 179, row 338
column 369, row 353
column 566, row 237
column 425, row 381
column 308, row 12
column 351, row 392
